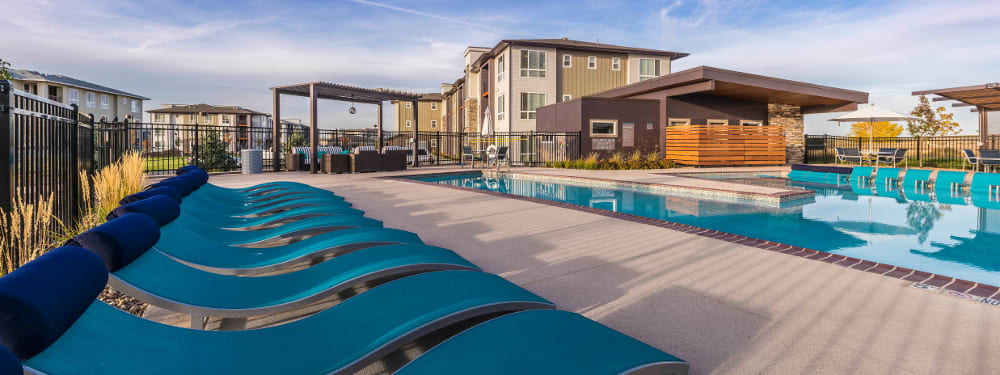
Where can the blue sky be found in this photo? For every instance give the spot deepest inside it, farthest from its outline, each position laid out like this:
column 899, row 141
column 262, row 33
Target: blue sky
column 223, row 52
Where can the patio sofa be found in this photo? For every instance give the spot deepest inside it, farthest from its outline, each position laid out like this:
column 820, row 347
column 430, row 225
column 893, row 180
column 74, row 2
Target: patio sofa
column 365, row 159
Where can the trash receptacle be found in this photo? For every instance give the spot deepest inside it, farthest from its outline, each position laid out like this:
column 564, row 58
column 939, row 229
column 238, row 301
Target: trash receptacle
column 253, row 161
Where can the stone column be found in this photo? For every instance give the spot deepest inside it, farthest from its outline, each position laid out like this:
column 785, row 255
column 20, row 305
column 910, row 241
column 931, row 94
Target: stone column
column 471, row 116
column 789, row 117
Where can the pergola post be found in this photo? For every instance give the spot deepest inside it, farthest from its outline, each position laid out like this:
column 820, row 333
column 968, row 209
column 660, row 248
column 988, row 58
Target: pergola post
column 276, row 131
column 313, row 131
column 378, row 126
column 416, row 133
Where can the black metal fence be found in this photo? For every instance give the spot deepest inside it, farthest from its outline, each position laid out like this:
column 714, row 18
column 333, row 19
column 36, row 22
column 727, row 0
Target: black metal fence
column 939, row 152
column 46, row 146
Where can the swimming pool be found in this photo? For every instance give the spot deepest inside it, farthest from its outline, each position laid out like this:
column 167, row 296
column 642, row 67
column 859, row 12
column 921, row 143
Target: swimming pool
column 955, row 236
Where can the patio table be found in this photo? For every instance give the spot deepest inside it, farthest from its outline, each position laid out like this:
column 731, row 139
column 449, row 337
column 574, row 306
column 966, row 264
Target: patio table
column 872, row 155
column 990, row 166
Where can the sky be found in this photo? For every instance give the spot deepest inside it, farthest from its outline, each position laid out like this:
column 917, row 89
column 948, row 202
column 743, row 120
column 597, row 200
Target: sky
column 231, row 53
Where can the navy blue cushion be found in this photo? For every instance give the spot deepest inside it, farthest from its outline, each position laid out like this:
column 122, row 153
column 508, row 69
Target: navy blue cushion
column 194, row 178
column 120, row 240
column 168, row 191
column 181, row 185
column 186, row 169
column 201, row 174
column 822, row 168
column 161, row 208
column 43, row 298
column 9, row 364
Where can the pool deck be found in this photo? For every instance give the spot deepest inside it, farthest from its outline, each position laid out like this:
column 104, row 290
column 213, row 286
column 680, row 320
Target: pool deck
column 724, row 307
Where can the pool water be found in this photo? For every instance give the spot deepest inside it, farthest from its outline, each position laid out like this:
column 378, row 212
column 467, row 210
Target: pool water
column 957, row 236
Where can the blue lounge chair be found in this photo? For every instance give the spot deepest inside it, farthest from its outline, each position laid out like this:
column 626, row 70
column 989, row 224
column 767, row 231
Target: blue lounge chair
column 989, row 159
column 887, row 177
column 861, row 175
column 849, row 155
column 893, row 156
column 543, row 342
column 916, row 179
column 155, row 278
column 969, row 157
column 194, row 248
column 987, row 184
column 76, row 334
column 949, row 181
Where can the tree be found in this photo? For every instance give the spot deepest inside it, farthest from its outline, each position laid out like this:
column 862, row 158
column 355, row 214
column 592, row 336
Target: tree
column 213, row 153
column 881, row 129
column 4, row 74
column 930, row 123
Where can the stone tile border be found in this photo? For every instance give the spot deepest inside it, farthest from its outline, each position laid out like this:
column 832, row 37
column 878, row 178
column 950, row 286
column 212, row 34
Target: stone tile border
column 918, row 278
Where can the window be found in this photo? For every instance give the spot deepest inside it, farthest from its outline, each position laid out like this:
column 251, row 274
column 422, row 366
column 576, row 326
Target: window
column 158, row 144
column 434, row 143
column 104, row 101
column 751, row 122
column 500, row 107
column 533, row 64
column 434, row 106
column 500, row 68
column 226, row 120
column 194, row 118
column 91, row 100
column 567, row 97
column 206, row 119
column 529, row 102
column 567, row 61
column 158, row 132
column 718, row 122
column 548, row 139
column 678, row 122
column 135, row 106
column 124, row 101
column 409, row 105
column 649, row 68
column 434, row 124
column 160, row 117
column 603, row 128
column 408, row 123
column 616, row 63
column 591, row 62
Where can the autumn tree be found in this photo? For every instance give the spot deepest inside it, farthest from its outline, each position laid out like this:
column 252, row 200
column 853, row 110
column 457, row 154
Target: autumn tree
column 880, row 129
column 929, row 122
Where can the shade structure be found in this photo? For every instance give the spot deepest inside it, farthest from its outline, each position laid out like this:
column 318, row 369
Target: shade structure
column 871, row 114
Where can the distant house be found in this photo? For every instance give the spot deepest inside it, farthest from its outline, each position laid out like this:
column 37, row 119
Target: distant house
column 430, row 110
column 171, row 126
column 103, row 102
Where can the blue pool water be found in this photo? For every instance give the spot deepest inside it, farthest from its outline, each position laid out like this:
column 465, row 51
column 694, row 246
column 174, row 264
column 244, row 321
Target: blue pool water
column 957, row 236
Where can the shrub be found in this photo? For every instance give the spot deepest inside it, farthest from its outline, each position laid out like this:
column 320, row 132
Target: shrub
column 213, row 154
column 634, row 160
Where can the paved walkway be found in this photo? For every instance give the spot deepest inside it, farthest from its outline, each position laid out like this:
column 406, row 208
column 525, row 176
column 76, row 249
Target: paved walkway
column 725, row 308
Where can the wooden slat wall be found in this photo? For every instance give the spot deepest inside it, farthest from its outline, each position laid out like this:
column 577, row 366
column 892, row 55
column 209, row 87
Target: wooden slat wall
column 725, row 145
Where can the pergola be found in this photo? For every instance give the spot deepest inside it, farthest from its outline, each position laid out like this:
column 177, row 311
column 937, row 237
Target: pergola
column 334, row 91
column 984, row 98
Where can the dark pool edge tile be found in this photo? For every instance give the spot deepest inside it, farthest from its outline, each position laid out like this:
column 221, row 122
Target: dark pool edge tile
column 901, row 273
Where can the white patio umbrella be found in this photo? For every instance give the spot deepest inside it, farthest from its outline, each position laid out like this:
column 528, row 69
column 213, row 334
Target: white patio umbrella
column 486, row 128
column 871, row 114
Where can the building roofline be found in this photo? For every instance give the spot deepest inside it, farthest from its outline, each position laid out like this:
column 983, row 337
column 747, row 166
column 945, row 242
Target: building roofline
column 93, row 86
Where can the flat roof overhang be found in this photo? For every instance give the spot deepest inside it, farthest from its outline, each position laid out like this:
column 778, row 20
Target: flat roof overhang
column 336, row 91
column 986, row 96
column 811, row 98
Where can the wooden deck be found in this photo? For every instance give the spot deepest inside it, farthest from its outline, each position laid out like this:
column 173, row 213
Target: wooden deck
column 725, row 145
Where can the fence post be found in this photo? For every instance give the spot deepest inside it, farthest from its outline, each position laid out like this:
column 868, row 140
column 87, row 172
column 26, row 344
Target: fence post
column 197, row 144
column 74, row 206
column 6, row 139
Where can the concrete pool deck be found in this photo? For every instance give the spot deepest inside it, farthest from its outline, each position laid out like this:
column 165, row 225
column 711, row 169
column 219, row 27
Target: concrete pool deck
column 723, row 307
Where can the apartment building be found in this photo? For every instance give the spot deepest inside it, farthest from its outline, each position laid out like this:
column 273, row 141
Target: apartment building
column 105, row 103
column 430, row 109
column 169, row 132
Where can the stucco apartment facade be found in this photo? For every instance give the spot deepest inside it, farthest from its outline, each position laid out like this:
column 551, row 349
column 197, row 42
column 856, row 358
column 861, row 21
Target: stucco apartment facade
column 105, row 103
column 169, row 130
column 517, row 76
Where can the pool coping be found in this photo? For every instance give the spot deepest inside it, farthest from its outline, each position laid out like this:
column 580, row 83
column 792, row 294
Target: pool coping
column 919, row 279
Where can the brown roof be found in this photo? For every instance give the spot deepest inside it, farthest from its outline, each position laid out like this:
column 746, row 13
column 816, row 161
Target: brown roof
column 579, row 45
column 986, row 96
column 812, row 98
column 207, row 108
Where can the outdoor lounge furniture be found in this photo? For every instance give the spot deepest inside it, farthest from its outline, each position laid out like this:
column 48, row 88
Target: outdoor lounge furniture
column 393, row 158
column 336, row 163
column 949, row 181
column 471, row 156
column 861, row 175
column 848, row 155
column 916, row 179
column 155, row 278
column 87, row 336
column 887, row 177
column 970, row 158
column 364, row 159
column 495, row 159
column 893, row 156
column 986, row 184
column 989, row 159
column 543, row 342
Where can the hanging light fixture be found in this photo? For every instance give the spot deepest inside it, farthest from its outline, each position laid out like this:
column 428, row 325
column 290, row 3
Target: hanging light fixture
column 352, row 110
